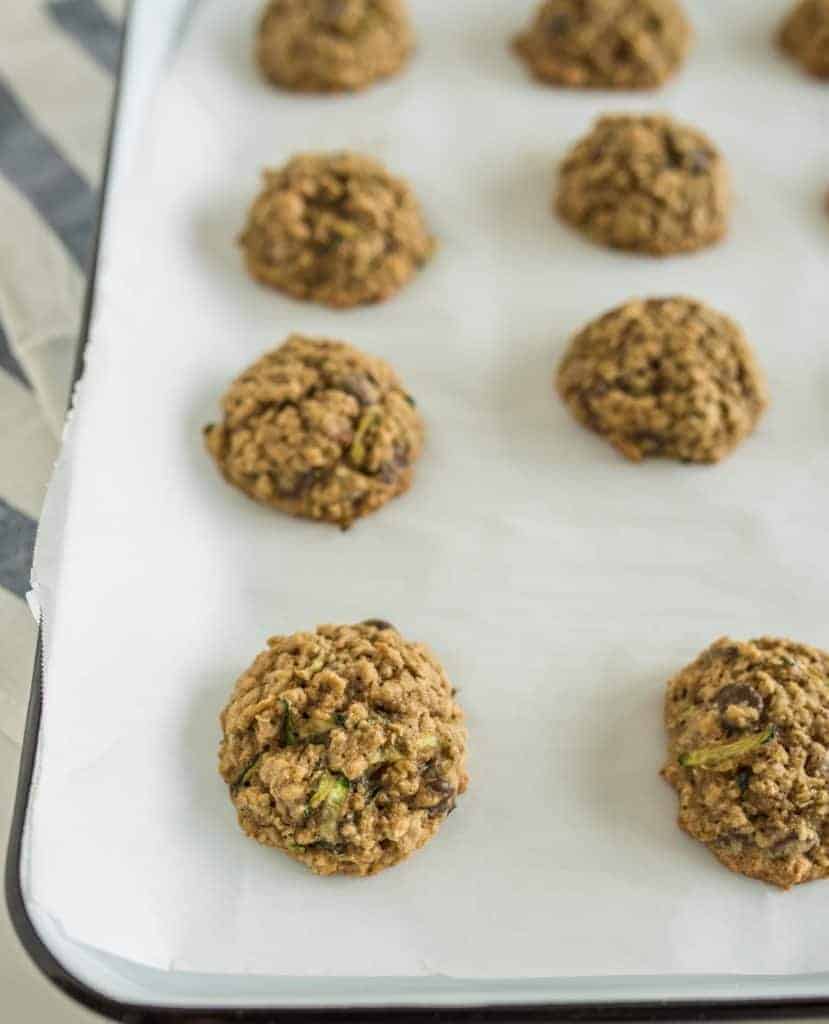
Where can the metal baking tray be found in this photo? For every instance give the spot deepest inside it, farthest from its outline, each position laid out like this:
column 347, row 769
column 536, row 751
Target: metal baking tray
column 126, row 991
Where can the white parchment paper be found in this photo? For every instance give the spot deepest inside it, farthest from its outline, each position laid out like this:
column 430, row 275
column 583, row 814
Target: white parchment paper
column 560, row 585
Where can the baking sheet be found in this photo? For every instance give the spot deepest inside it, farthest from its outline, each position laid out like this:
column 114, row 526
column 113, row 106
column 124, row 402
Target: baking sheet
column 559, row 585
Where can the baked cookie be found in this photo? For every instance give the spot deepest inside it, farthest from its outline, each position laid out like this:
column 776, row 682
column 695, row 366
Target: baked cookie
column 646, row 184
column 748, row 754
column 317, row 428
column 344, row 748
column 804, row 35
column 332, row 45
column 606, row 44
column 669, row 377
column 336, row 229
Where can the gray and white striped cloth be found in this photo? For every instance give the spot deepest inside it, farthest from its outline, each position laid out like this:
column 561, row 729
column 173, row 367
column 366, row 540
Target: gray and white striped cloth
column 57, row 64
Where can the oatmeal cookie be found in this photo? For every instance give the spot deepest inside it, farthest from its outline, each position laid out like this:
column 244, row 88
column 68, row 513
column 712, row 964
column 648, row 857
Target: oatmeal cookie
column 606, row 44
column 804, row 35
column 318, row 429
column 748, row 741
column 669, row 377
column 646, row 184
column 336, row 229
column 332, row 45
column 344, row 747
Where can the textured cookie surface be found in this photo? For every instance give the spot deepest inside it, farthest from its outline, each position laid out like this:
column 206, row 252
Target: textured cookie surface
column 336, row 229
column 344, row 747
column 319, row 429
column 804, row 34
column 332, row 45
column 748, row 741
column 647, row 184
column 610, row 44
column 664, row 377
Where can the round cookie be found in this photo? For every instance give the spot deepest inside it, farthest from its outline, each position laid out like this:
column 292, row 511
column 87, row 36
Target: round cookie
column 332, row 45
column 664, row 377
column 344, row 748
column 804, row 35
column 317, row 428
column 336, row 229
column 748, row 740
column 606, row 44
column 646, row 184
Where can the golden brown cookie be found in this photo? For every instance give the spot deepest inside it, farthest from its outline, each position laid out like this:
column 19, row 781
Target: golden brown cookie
column 332, row 45
column 748, row 754
column 606, row 44
column 647, row 184
column 318, row 429
column 344, row 748
column 336, row 229
column 664, row 377
column 804, row 35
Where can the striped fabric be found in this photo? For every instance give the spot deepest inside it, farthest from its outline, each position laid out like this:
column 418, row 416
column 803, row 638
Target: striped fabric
column 57, row 61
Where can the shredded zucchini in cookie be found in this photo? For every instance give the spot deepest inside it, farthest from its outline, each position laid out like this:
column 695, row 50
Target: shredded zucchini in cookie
column 726, row 756
column 331, row 794
column 247, row 771
column 370, row 419
column 288, row 730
